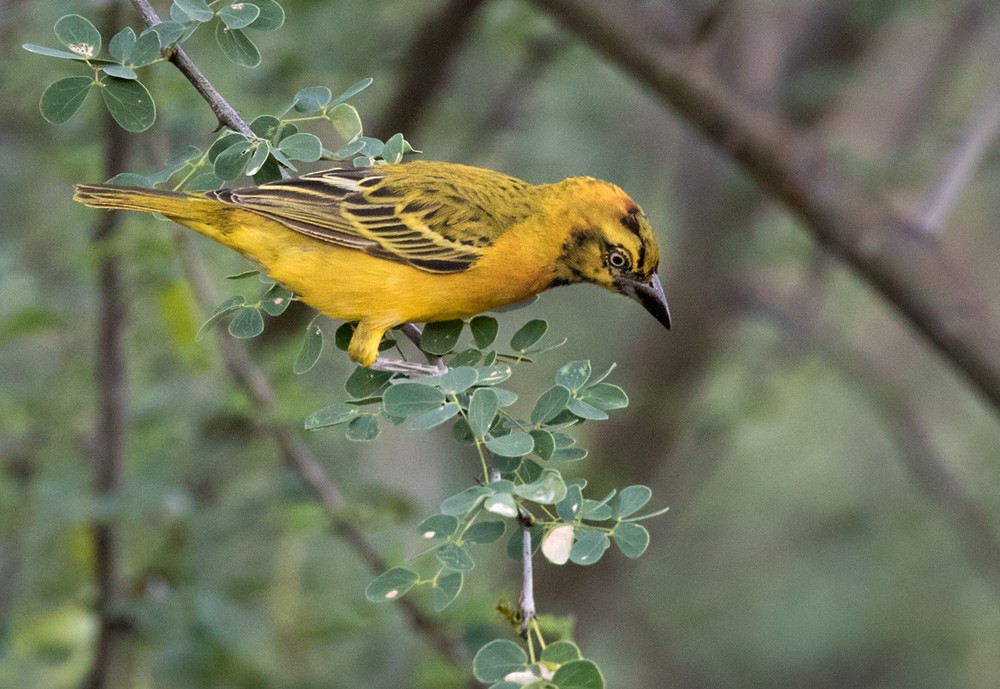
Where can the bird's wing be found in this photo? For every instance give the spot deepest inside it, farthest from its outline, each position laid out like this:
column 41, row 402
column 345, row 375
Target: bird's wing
column 366, row 210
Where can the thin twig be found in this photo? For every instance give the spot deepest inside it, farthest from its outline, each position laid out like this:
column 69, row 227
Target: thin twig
column 528, row 611
column 961, row 163
column 224, row 112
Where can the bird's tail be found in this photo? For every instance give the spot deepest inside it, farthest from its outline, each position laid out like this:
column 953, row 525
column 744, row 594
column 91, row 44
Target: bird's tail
column 173, row 204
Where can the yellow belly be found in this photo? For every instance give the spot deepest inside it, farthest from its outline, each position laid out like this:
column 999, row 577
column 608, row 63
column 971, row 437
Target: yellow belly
column 378, row 293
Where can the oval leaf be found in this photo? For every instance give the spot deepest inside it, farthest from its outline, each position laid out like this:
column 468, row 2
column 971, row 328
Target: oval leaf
column 530, row 333
column 312, row 99
column 302, row 146
column 441, row 337
column 516, row 444
column 312, row 347
column 550, row 403
column 631, row 539
column 236, row 46
column 247, row 323
column 438, row 526
column 547, row 489
column 363, row 428
column 331, row 416
column 483, row 408
column 446, row 589
column 79, row 35
column 271, row 16
column 239, row 15
column 62, row 99
column 455, row 557
column 578, row 674
column 390, row 585
column 484, row 330
column 198, row 10
column 147, row 48
column 631, row 499
column 497, row 659
column 129, row 103
column 557, row 543
column 574, row 375
column 411, row 398
column 121, row 44
column 589, row 546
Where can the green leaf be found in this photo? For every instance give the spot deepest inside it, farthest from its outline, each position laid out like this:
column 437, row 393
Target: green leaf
column 276, row 300
column 585, row 411
column 516, row 444
column 372, row 146
column 432, row 418
column 342, row 336
column 265, row 126
column 497, row 659
column 120, row 71
column 467, row 357
column 530, row 333
column 247, row 323
column 62, row 99
column 271, row 16
column 632, row 499
column 548, row 489
column 594, row 510
column 484, row 330
column 544, row 444
column 390, row 585
column 605, row 396
column 233, row 161
column 569, row 454
column 393, row 151
column 131, row 179
column 458, row 379
column 312, row 347
column 446, row 589
column 121, row 44
column 494, row 374
column 236, row 46
column 589, row 546
column 346, row 121
column 302, row 146
column 169, row 32
column 223, row 143
column 363, row 428
column 311, row 99
column 365, row 382
column 205, row 181
column 515, row 544
column 129, row 103
column 485, row 532
column 631, row 539
column 332, row 415
column 79, row 35
column 355, row 88
column 349, row 149
column 568, row 508
column 578, row 674
column 550, row 403
column 438, row 526
column 261, row 151
column 198, row 10
column 455, row 557
column 574, row 375
column 483, row 408
column 463, row 502
column 51, row 52
column 441, row 337
column 411, row 398
column 560, row 652
column 501, row 504
column 146, row 50
column 239, row 15
column 231, row 304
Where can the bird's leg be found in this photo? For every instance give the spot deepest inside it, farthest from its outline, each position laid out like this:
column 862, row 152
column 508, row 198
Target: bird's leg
column 409, row 367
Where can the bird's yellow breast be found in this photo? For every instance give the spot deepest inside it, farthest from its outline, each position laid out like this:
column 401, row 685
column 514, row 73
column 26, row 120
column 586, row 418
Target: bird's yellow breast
column 353, row 286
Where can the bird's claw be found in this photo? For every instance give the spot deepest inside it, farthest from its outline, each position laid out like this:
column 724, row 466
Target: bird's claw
column 409, row 367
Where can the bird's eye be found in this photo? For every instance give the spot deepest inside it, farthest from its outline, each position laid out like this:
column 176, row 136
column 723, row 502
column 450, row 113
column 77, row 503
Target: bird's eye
column 618, row 259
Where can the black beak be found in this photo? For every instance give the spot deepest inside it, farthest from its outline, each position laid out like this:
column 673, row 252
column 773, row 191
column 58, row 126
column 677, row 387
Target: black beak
column 650, row 295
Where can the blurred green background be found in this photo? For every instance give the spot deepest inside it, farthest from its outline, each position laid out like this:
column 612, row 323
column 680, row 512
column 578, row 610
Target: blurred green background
column 834, row 485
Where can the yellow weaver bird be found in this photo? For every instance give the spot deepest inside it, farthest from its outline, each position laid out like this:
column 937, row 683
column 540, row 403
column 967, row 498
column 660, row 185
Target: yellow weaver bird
column 419, row 242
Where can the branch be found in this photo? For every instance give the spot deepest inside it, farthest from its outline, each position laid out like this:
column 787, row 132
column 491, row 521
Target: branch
column 224, row 112
column 109, row 443
column 528, row 610
column 883, row 246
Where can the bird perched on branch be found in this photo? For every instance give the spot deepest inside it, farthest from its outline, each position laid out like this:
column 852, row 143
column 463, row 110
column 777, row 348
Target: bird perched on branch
column 419, row 242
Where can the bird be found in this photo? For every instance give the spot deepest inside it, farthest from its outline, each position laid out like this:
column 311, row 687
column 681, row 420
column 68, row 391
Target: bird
column 418, row 242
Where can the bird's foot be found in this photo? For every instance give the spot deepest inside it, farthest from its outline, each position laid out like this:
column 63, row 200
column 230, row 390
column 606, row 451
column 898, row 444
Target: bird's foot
column 409, row 367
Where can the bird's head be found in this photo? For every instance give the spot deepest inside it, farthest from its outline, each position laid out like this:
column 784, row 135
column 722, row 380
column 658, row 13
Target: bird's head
column 610, row 244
